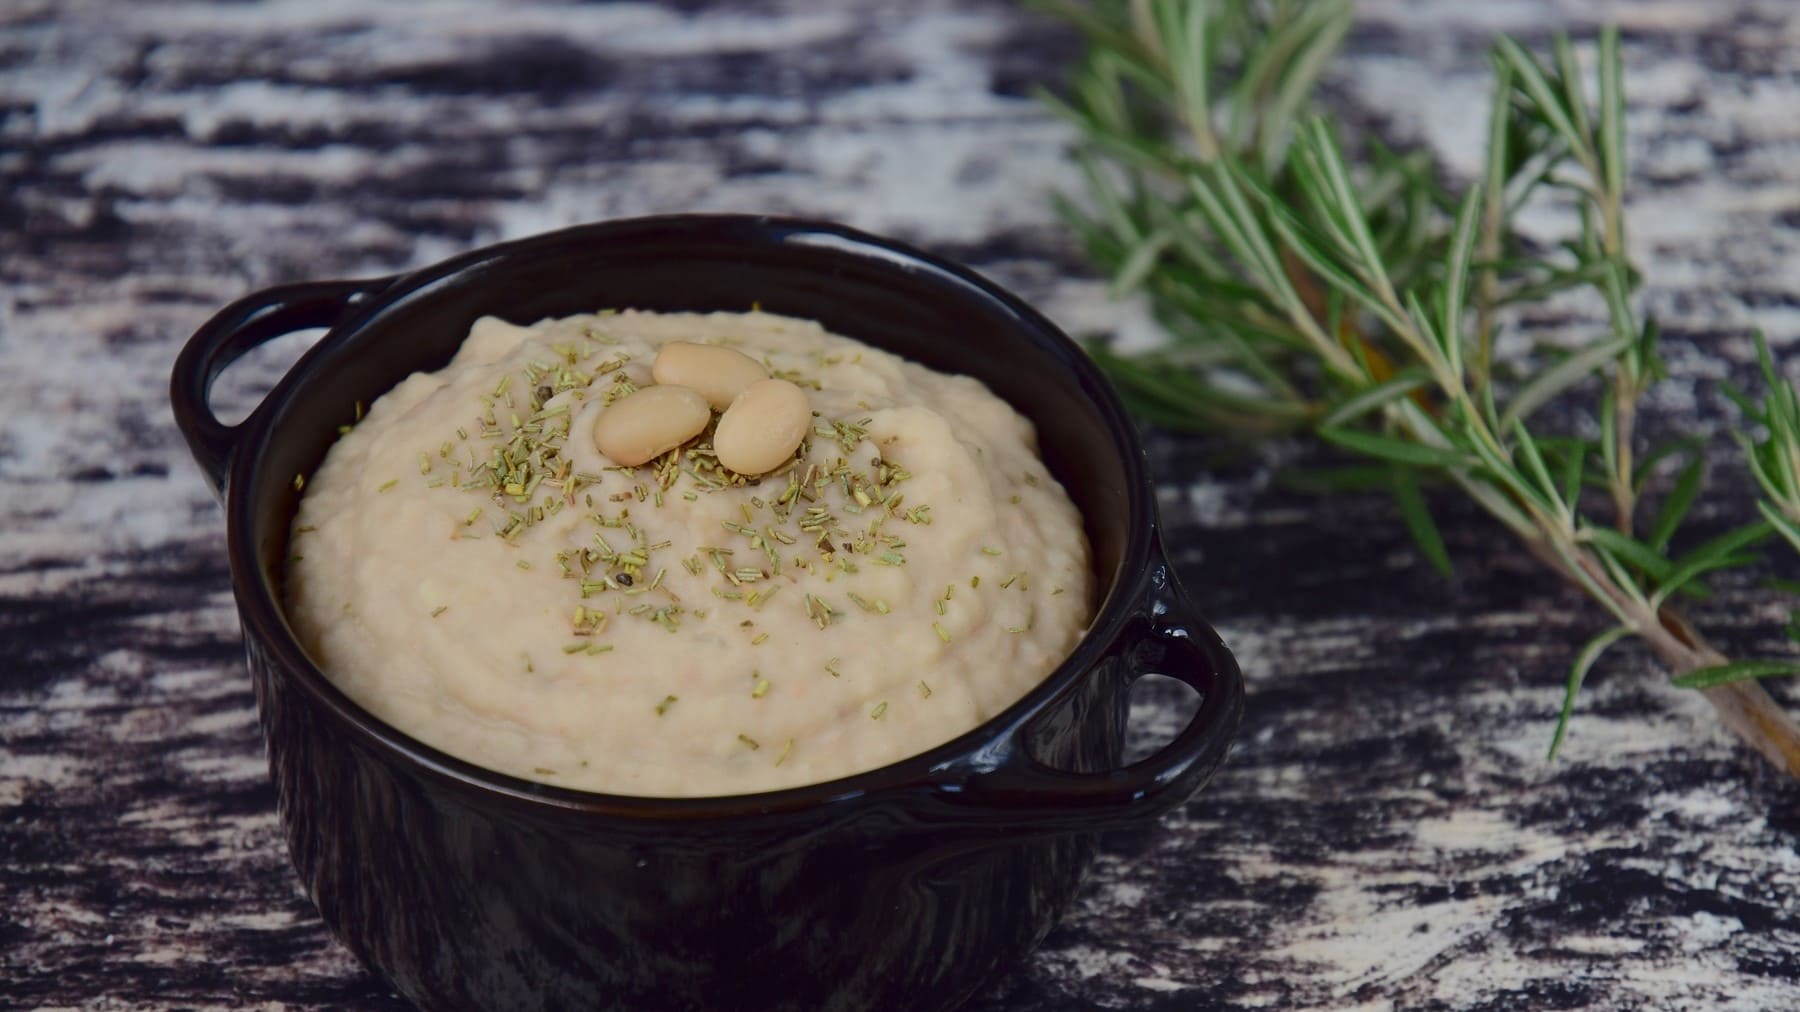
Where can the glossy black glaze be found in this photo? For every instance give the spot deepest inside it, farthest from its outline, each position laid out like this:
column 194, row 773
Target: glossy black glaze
column 908, row 886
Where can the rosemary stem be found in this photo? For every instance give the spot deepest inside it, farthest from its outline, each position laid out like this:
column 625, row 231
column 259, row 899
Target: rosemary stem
column 1488, row 295
column 1624, row 491
column 1751, row 714
column 1582, row 569
column 1308, row 319
column 1627, row 385
column 1745, row 707
column 1143, row 25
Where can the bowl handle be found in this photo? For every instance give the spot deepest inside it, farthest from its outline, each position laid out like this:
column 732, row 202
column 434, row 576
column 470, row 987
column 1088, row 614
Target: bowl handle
column 250, row 321
column 1031, row 796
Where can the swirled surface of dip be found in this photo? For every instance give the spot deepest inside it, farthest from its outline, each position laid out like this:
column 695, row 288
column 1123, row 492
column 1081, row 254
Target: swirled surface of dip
column 469, row 567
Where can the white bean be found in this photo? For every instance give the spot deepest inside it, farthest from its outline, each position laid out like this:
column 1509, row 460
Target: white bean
column 719, row 374
column 762, row 427
column 648, row 423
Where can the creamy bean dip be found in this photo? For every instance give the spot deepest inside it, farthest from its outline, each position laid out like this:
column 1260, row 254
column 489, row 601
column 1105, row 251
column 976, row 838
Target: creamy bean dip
column 468, row 566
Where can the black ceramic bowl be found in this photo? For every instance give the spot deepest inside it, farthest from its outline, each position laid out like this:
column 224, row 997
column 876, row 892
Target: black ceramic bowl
column 909, row 886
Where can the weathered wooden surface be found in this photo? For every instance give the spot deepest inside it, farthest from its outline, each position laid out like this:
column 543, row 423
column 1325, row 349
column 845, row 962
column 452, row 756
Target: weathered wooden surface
column 1387, row 832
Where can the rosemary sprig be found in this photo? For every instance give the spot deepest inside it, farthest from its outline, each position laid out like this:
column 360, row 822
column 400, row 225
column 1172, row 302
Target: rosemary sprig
column 1360, row 304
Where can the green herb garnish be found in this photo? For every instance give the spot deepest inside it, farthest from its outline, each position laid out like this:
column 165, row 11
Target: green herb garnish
column 1360, row 304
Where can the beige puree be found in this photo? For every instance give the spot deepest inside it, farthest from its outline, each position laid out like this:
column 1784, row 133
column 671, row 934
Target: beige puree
column 470, row 567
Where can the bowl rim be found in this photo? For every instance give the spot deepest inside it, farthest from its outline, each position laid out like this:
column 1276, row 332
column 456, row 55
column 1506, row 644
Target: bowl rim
column 984, row 747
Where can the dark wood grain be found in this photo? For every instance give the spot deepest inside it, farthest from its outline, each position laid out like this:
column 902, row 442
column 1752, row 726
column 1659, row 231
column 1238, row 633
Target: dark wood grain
column 1387, row 832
